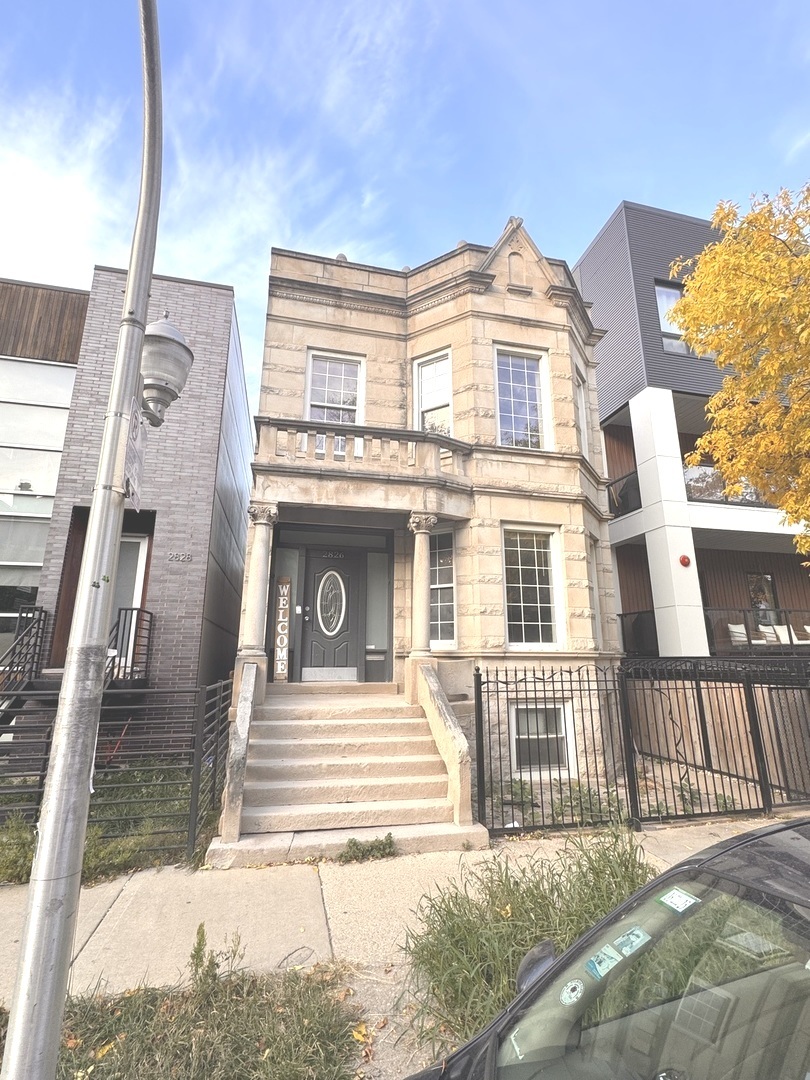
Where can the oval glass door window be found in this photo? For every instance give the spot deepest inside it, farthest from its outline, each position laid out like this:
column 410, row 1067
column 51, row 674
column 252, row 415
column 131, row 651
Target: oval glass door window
column 331, row 604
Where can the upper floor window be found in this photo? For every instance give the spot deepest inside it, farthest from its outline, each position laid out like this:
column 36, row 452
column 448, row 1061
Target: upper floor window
column 432, row 393
column 333, row 390
column 334, row 395
column 581, row 410
column 666, row 297
column 520, row 407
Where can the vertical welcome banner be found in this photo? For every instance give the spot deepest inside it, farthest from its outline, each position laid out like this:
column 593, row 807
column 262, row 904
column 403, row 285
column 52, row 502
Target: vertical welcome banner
column 282, row 640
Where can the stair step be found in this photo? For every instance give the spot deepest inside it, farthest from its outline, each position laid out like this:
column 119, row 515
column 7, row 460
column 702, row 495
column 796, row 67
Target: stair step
column 338, row 708
column 318, row 767
column 260, row 849
column 276, row 690
column 345, row 815
column 347, row 789
column 382, row 745
column 331, row 727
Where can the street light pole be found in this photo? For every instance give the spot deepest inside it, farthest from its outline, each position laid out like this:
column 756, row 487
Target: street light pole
column 34, row 1032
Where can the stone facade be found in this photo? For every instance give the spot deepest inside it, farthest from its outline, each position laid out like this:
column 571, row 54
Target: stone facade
column 455, row 443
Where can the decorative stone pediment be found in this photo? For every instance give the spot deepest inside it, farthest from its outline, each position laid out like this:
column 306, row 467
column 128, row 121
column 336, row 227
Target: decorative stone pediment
column 517, row 263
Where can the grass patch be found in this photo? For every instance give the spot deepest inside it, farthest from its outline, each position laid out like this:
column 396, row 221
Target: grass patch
column 227, row 1023
column 472, row 934
column 363, row 850
column 138, row 818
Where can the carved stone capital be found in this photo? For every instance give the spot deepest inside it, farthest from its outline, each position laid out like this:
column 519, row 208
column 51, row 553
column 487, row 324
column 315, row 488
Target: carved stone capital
column 263, row 513
column 422, row 523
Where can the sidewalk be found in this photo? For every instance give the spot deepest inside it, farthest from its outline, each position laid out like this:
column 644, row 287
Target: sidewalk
column 141, row 928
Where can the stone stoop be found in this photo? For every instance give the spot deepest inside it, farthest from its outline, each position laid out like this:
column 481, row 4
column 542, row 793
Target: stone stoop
column 329, row 762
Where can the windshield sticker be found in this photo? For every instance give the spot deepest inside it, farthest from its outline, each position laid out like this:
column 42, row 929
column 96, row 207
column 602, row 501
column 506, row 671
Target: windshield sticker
column 632, row 940
column 678, row 900
column 601, row 963
column 572, row 992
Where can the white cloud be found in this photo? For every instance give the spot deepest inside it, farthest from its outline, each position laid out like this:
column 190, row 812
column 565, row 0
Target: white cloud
column 66, row 199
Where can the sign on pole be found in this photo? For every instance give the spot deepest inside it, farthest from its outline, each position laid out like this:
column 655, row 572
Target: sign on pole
column 133, row 460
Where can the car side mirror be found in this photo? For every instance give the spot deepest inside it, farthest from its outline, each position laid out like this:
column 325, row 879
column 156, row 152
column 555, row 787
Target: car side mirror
column 534, row 963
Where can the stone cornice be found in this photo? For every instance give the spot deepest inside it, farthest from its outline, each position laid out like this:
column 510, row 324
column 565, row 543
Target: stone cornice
column 439, row 292
column 568, row 297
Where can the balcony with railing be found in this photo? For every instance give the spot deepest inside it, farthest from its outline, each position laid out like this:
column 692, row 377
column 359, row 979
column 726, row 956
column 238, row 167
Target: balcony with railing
column 771, row 631
column 624, row 495
column 704, row 483
column 359, row 448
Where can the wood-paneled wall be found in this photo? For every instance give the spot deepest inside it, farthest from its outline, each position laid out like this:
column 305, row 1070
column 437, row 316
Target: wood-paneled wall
column 724, row 578
column 619, row 451
column 634, row 577
column 40, row 322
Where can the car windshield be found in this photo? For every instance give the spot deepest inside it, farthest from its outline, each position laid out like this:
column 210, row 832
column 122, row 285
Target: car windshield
column 702, row 980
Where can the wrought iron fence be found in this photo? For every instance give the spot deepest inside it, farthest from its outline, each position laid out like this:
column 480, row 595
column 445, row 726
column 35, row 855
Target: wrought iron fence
column 159, row 768
column 644, row 741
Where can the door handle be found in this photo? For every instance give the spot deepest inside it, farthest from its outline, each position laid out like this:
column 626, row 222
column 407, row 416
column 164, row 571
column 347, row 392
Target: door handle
column 306, row 618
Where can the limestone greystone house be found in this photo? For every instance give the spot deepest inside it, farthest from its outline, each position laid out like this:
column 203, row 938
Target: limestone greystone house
column 428, row 496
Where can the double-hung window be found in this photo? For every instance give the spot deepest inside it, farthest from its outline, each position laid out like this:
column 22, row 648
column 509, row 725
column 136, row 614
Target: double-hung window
column 442, row 590
column 520, row 404
column 334, row 385
column 530, row 615
column 432, row 391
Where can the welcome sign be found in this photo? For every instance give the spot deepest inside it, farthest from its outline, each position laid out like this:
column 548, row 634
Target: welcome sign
column 282, row 637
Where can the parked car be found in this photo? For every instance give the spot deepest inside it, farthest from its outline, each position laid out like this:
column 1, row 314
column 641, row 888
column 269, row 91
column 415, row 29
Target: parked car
column 704, row 974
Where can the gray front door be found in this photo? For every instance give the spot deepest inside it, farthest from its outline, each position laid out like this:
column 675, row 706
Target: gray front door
column 333, row 637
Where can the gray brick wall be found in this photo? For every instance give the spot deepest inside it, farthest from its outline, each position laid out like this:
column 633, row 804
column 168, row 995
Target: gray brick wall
column 180, row 474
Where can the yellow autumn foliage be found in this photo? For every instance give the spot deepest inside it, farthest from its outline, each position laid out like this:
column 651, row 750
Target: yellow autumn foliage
column 746, row 302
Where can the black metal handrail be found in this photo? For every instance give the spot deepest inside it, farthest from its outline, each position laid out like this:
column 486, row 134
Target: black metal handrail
column 129, row 646
column 22, row 662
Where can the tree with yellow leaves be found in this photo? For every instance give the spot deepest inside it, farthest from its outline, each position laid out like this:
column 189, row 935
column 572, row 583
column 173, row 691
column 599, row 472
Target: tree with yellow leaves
column 746, row 301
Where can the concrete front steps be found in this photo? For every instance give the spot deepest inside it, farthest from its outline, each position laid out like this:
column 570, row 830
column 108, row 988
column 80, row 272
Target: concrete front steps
column 327, row 762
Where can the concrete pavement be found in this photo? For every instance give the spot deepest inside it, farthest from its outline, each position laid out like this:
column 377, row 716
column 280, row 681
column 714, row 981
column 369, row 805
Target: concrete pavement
column 140, row 929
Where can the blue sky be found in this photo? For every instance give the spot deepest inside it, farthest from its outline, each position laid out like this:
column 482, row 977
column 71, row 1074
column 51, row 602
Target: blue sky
column 385, row 129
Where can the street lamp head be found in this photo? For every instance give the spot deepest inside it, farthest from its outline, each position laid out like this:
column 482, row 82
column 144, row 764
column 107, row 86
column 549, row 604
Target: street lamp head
column 165, row 363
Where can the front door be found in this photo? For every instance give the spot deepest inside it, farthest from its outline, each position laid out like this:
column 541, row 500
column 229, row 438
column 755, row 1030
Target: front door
column 333, row 635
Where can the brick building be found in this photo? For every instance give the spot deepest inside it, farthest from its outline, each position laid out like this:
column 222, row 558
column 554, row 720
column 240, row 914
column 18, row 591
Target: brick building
column 182, row 554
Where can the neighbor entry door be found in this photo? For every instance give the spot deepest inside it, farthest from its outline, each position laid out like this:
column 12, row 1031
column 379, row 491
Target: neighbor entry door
column 333, row 633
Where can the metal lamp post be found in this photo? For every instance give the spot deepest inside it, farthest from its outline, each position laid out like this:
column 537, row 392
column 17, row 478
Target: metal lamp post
column 34, row 1032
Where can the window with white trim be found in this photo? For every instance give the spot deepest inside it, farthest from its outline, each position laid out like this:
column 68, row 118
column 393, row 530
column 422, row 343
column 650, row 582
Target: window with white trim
column 334, row 385
column 581, row 410
column 530, row 616
column 541, row 739
column 442, row 590
column 432, row 394
column 520, row 406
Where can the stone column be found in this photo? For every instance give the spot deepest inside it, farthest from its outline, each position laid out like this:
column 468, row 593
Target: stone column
column 252, row 645
column 421, row 525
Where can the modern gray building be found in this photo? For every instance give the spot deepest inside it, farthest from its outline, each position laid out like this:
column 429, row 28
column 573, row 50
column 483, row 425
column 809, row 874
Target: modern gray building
column 697, row 573
column 182, row 553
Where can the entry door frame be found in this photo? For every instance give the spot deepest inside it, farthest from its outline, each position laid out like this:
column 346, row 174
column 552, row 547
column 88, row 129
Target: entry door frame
column 332, row 557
